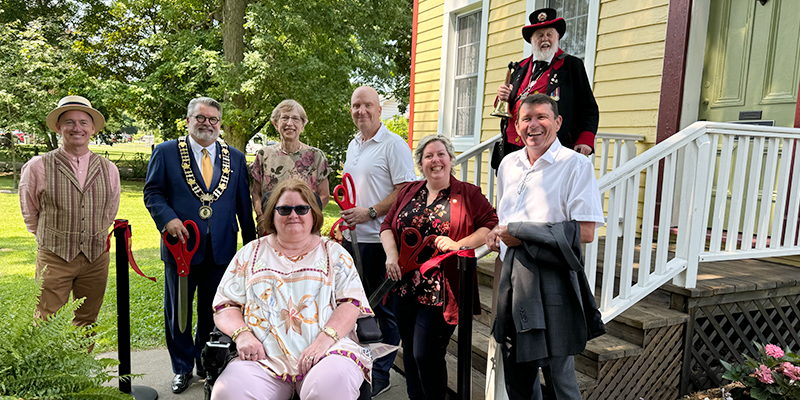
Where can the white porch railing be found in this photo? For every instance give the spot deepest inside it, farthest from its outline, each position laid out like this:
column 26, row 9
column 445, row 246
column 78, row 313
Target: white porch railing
column 696, row 173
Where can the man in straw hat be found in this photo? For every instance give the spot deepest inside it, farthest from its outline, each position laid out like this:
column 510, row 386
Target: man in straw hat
column 69, row 198
column 557, row 74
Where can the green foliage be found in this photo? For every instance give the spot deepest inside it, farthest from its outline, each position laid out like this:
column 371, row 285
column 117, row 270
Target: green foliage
column 768, row 377
column 49, row 359
column 399, row 125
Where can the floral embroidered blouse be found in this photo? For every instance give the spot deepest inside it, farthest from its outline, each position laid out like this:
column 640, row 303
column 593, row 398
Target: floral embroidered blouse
column 287, row 301
column 272, row 165
column 429, row 220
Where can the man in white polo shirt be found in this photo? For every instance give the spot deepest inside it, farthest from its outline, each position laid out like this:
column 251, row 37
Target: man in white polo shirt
column 381, row 164
column 546, row 195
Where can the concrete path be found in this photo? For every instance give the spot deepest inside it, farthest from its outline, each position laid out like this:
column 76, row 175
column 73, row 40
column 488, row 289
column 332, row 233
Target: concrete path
column 157, row 374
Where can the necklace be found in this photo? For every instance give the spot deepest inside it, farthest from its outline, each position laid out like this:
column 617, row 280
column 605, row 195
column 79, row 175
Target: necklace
column 206, row 198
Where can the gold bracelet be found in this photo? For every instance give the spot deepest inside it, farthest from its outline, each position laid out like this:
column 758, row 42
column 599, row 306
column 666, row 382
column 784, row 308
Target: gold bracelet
column 240, row 330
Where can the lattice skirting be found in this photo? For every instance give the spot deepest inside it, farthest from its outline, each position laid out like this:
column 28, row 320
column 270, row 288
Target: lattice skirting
column 726, row 331
column 653, row 375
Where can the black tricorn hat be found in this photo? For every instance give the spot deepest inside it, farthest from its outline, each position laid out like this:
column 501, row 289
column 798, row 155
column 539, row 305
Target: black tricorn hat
column 544, row 18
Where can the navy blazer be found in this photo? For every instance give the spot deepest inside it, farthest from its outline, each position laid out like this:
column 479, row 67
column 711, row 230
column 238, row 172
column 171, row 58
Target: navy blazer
column 168, row 196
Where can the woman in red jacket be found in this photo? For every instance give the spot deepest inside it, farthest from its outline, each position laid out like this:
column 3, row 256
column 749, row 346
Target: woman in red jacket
column 458, row 215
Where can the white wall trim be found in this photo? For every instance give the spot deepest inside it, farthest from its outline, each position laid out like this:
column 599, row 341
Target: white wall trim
column 452, row 9
column 592, row 23
column 695, row 58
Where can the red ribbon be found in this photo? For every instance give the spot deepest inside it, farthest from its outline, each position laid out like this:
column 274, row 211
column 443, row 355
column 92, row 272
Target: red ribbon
column 119, row 223
column 435, row 261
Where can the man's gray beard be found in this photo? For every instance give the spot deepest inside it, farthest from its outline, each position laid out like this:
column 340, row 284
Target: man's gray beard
column 544, row 55
column 204, row 136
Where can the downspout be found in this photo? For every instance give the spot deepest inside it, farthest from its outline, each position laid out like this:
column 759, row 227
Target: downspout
column 413, row 78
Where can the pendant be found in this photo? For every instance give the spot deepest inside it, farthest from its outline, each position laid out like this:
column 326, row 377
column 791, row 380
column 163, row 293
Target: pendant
column 205, row 212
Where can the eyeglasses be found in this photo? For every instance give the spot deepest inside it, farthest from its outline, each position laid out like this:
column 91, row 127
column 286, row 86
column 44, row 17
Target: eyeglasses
column 202, row 119
column 296, row 120
column 286, row 210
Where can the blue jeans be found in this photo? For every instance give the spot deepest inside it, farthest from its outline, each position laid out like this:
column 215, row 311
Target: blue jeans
column 373, row 261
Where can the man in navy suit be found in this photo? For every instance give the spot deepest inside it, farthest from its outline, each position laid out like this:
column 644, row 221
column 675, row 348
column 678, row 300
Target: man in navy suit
column 212, row 191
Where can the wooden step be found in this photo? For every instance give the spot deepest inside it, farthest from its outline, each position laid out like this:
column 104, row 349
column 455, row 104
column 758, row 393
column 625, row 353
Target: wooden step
column 485, row 296
column 601, row 349
column 632, row 325
column 478, row 375
column 480, row 343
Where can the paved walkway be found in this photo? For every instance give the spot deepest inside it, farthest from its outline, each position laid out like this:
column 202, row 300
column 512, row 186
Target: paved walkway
column 157, row 374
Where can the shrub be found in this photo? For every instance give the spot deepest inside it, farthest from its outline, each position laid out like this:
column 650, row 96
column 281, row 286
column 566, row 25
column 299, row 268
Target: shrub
column 774, row 375
column 49, row 359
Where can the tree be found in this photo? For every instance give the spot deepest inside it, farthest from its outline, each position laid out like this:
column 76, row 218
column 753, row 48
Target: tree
column 251, row 55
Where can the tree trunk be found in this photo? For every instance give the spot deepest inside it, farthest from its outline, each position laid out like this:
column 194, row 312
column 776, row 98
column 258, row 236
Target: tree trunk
column 236, row 132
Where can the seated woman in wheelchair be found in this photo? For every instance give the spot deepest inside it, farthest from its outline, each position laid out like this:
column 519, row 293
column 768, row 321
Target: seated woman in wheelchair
column 290, row 301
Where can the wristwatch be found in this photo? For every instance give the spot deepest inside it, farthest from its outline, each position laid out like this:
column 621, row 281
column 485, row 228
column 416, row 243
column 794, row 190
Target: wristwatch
column 372, row 213
column 331, row 332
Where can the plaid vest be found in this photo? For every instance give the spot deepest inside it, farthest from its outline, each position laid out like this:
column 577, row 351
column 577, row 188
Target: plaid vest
column 71, row 218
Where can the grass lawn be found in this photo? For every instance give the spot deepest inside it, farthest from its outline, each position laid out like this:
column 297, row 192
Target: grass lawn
column 18, row 255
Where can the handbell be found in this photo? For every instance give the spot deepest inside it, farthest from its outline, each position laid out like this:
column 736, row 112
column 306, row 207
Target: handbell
column 501, row 110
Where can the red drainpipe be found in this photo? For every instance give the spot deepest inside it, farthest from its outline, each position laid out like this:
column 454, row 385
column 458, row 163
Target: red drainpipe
column 413, row 78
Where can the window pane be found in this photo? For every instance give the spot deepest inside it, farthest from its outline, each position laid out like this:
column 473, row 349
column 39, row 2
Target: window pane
column 468, row 39
column 466, row 71
column 465, row 106
column 575, row 14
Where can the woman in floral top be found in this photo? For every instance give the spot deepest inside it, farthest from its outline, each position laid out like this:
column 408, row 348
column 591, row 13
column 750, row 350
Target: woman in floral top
column 289, row 159
column 457, row 214
column 290, row 301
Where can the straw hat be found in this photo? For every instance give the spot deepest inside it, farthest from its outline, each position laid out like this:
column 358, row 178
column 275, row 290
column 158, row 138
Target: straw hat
column 69, row 103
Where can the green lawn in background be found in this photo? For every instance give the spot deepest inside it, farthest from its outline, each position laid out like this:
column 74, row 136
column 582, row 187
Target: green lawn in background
column 18, row 255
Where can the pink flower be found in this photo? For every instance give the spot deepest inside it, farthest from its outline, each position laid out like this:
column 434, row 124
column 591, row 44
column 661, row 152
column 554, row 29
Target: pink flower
column 764, row 374
column 791, row 371
column 773, row 351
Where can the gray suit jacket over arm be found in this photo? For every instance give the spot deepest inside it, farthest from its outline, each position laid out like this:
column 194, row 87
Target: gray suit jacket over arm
column 545, row 307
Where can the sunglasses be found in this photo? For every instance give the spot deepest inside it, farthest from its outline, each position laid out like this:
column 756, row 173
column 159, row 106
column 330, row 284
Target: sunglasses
column 286, row 210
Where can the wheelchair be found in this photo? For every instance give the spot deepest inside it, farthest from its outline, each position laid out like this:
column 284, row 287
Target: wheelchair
column 220, row 350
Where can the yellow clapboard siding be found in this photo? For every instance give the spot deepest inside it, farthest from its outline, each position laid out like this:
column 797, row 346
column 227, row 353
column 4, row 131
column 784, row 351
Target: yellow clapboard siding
column 627, row 54
column 425, row 76
column 428, row 86
column 432, row 65
column 628, row 86
column 636, row 69
column 433, row 24
column 615, row 8
column 429, row 55
column 628, row 118
column 641, row 35
column 632, row 20
column 429, row 45
column 629, row 102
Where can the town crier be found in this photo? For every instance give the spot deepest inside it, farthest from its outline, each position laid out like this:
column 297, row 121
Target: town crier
column 551, row 71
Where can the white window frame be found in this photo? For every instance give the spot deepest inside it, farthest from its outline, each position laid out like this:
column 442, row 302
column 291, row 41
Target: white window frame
column 452, row 10
column 592, row 21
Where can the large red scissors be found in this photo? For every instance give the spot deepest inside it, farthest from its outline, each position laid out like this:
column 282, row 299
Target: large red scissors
column 345, row 196
column 412, row 246
column 183, row 258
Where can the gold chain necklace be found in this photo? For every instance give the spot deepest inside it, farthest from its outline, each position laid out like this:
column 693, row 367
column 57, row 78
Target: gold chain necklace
column 206, row 198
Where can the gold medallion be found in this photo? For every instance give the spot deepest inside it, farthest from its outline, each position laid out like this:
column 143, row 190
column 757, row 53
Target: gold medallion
column 205, row 212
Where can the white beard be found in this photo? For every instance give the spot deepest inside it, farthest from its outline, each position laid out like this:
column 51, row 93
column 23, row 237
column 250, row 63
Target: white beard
column 544, row 55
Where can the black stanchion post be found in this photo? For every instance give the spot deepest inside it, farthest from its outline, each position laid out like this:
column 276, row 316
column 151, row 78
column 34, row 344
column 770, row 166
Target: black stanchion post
column 124, row 322
column 466, row 269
